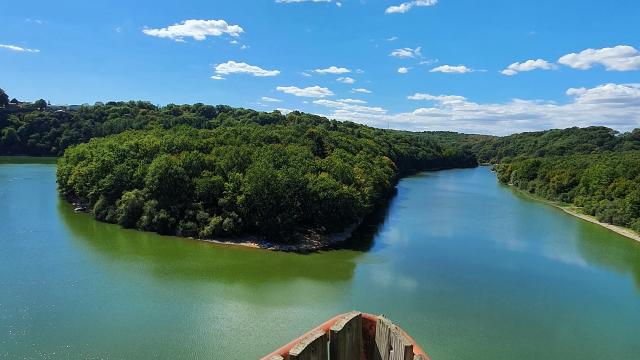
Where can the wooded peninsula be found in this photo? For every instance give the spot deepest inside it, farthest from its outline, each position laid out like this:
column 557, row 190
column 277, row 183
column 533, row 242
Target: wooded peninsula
column 214, row 172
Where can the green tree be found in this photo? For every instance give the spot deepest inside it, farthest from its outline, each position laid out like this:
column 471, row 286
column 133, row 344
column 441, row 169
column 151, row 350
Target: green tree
column 130, row 207
column 40, row 104
column 4, row 98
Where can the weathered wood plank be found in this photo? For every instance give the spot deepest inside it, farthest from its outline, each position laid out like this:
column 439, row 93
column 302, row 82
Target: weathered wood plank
column 346, row 338
column 383, row 339
column 391, row 344
column 420, row 357
column 312, row 347
column 401, row 348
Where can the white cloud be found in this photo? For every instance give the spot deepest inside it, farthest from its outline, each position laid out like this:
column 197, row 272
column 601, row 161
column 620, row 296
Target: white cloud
column 217, row 77
column 444, row 99
column 361, row 91
column 196, row 29
column 627, row 94
column 407, row 53
column 346, row 80
column 312, row 91
column 270, row 99
column 459, row 69
column 528, row 66
column 406, row 6
column 403, row 70
column 333, row 70
column 232, row 67
column 613, row 105
column 352, row 101
column 284, row 111
column 18, row 48
column 350, row 106
column 393, row 38
column 618, row 58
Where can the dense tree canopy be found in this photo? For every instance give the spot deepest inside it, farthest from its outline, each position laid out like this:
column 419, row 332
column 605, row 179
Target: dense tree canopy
column 551, row 143
column 221, row 172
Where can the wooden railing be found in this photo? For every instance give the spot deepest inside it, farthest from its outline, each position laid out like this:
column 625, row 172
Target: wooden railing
column 352, row 336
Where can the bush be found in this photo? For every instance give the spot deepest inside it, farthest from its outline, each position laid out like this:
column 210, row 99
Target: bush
column 129, row 208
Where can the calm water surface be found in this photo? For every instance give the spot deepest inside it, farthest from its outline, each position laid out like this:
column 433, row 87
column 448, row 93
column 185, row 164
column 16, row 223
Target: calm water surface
column 467, row 267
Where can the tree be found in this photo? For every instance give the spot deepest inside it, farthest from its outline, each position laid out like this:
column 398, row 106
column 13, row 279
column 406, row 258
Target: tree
column 40, row 104
column 4, row 99
column 129, row 208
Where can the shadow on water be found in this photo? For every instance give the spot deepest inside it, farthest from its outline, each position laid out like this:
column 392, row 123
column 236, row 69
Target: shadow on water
column 24, row 160
column 621, row 255
column 185, row 259
column 364, row 236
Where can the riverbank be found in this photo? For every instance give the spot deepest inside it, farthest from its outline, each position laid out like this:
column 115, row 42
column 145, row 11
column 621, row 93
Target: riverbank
column 305, row 243
column 577, row 212
column 309, row 241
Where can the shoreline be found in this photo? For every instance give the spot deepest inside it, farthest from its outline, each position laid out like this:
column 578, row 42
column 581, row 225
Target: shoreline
column 309, row 242
column 576, row 212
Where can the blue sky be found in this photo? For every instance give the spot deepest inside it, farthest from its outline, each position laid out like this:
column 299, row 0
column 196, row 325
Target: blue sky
column 476, row 66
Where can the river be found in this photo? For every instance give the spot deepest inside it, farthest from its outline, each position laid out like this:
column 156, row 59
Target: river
column 469, row 268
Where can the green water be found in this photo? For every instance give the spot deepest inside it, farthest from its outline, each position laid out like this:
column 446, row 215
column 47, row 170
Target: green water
column 467, row 267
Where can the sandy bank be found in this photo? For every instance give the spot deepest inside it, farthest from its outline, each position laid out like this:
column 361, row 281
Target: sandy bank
column 577, row 212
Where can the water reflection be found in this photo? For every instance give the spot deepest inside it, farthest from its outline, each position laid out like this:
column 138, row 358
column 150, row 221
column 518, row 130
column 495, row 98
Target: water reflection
column 622, row 255
column 175, row 258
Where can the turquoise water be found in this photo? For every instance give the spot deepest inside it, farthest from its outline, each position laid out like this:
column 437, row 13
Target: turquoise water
column 470, row 269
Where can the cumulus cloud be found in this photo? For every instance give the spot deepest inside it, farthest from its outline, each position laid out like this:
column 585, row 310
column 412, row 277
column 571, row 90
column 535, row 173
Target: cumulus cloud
column 407, row 52
column 284, row 111
column 459, row 69
column 232, row 67
column 623, row 94
column 403, row 70
column 346, row 80
column 528, row 65
column 312, row 91
column 613, row 105
column 618, row 58
column 406, row 6
column 361, row 91
column 269, row 99
column 352, row 101
column 333, row 70
column 443, row 99
column 350, row 106
column 196, row 29
column 18, row 48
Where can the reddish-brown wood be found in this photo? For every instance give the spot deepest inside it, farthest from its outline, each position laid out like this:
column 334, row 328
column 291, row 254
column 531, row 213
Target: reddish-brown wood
column 403, row 342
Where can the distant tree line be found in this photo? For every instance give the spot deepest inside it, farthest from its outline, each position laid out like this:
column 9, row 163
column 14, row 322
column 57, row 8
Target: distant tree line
column 595, row 168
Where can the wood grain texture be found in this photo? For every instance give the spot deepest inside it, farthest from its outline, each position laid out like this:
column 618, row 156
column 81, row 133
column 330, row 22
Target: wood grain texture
column 312, row 347
column 346, row 338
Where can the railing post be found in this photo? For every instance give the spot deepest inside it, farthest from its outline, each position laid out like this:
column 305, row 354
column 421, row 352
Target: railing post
column 345, row 342
column 312, row 347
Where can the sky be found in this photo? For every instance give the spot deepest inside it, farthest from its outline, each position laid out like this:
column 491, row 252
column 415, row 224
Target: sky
column 491, row 67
